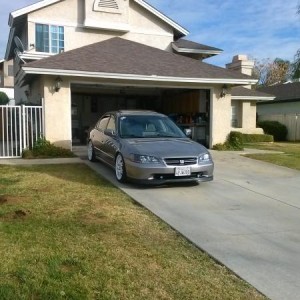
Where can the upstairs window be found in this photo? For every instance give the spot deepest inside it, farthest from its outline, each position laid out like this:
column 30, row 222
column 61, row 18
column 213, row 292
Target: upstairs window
column 49, row 38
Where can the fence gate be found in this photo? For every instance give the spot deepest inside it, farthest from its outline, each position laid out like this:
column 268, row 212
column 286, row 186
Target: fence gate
column 20, row 127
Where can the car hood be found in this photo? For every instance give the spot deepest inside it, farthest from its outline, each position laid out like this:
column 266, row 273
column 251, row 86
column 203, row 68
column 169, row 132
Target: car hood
column 166, row 147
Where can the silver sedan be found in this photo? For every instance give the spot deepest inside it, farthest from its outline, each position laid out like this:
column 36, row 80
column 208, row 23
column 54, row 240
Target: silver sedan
column 148, row 147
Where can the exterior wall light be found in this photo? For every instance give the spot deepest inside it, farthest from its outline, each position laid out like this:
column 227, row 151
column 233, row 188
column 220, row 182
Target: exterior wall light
column 57, row 85
column 224, row 91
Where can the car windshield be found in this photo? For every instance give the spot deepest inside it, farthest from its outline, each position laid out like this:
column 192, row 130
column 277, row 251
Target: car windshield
column 148, row 126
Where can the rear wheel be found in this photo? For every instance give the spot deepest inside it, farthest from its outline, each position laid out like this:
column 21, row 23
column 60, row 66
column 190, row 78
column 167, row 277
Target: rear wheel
column 120, row 168
column 91, row 152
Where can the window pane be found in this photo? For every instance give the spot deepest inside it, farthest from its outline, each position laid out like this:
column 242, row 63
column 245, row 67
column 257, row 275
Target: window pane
column 49, row 38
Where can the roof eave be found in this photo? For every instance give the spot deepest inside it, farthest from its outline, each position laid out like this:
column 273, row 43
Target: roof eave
column 9, row 43
column 257, row 98
column 195, row 51
column 28, row 9
column 156, row 78
column 160, row 15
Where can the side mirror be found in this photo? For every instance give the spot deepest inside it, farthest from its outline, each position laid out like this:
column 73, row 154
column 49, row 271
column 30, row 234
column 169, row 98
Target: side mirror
column 110, row 132
column 188, row 132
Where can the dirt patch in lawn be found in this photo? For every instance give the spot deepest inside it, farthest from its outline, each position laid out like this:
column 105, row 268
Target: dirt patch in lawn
column 8, row 199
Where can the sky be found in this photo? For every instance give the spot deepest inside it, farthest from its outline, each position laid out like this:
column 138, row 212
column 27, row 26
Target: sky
column 261, row 29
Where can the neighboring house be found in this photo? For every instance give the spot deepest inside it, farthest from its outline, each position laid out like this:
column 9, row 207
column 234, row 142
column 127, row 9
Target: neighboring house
column 82, row 58
column 244, row 99
column 7, row 79
column 284, row 109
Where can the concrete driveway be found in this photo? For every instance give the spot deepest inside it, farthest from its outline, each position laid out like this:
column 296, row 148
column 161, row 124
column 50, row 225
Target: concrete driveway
column 248, row 218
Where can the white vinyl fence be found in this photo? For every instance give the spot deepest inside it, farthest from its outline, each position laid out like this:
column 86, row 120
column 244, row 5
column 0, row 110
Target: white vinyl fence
column 291, row 121
column 20, row 127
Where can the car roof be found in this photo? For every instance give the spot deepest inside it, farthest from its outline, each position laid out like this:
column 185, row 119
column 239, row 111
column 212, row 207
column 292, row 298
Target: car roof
column 137, row 112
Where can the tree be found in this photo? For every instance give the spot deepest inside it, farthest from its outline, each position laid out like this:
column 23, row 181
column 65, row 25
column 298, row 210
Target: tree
column 296, row 63
column 296, row 66
column 3, row 98
column 271, row 72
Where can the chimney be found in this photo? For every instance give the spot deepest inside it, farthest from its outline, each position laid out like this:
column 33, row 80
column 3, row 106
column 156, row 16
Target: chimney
column 241, row 64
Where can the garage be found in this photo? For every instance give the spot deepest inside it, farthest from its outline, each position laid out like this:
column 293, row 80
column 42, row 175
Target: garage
column 188, row 108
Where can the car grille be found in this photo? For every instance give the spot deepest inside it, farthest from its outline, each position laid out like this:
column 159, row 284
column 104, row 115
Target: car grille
column 183, row 161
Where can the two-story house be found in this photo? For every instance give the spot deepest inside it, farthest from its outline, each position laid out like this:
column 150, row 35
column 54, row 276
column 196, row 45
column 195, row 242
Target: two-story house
column 80, row 58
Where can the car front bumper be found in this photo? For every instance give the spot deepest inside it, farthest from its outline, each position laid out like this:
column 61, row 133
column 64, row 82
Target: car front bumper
column 160, row 174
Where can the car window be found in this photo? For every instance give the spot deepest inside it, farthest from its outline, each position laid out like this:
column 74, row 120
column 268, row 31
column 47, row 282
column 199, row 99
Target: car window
column 101, row 125
column 111, row 123
column 148, row 126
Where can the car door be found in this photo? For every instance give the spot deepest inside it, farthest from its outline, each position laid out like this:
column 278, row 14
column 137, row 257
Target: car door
column 98, row 135
column 110, row 141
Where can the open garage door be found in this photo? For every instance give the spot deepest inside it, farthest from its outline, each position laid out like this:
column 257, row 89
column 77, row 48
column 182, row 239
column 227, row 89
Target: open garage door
column 188, row 108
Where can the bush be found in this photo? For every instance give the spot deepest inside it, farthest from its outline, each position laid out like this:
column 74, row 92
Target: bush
column 44, row 149
column 234, row 142
column 257, row 138
column 278, row 130
column 3, row 98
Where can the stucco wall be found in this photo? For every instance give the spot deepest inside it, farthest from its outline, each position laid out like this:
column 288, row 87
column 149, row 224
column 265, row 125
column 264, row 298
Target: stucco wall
column 6, row 80
column 143, row 26
column 220, row 116
column 57, row 112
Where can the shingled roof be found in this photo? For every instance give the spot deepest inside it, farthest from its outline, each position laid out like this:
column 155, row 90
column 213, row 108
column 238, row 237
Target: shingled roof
column 186, row 44
column 243, row 93
column 123, row 57
column 284, row 92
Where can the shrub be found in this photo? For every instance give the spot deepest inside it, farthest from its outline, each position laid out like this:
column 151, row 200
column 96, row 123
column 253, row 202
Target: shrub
column 234, row 142
column 44, row 149
column 3, row 98
column 257, row 138
column 278, row 130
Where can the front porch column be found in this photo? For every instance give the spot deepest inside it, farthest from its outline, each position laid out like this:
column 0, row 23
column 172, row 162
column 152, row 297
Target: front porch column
column 220, row 116
column 57, row 105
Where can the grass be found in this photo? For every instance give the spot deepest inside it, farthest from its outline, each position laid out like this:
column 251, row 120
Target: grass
column 66, row 233
column 289, row 158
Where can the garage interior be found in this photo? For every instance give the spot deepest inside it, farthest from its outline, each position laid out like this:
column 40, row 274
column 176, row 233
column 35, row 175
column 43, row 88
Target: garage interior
column 188, row 108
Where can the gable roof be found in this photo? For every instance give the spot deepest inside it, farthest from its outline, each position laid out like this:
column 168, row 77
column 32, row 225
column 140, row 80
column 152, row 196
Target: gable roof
column 123, row 59
column 242, row 93
column 283, row 92
column 186, row 46
column 44, row 3
column 20, row 14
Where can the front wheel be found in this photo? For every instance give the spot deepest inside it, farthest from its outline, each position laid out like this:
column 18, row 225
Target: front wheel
column 91, row 152
column 120, row 168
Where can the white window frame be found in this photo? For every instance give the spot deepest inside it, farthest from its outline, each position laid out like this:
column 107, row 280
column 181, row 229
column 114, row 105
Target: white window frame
column 58, row 48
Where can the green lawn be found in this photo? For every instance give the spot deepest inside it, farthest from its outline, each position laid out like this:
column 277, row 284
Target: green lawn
column 290, row 158
column 65, row 233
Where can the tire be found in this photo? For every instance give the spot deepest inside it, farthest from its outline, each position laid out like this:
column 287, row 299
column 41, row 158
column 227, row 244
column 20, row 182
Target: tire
column 120, row 170
column 91, row 152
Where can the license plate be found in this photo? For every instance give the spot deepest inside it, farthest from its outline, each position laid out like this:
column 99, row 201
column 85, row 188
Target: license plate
column 182, row 171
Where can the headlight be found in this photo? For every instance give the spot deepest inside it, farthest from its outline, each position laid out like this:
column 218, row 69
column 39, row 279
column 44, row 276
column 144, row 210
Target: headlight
column 144, row 159
column 204, row 157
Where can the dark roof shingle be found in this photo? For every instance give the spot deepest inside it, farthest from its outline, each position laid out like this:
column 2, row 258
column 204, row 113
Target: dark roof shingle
column 284, row 91
column 183, row 43
column 120, row 56
column 240, row 91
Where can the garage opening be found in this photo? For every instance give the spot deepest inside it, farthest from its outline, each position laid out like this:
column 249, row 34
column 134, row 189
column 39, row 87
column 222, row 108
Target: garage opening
column 188, row 108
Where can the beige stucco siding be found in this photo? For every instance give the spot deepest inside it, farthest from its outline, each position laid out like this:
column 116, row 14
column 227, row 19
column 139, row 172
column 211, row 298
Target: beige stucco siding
column 143, row 27
column 220, row 116
column 57, row 112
